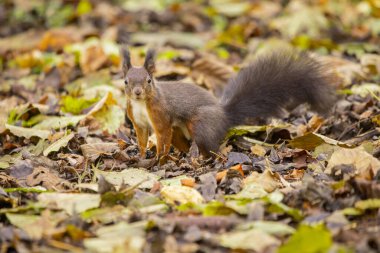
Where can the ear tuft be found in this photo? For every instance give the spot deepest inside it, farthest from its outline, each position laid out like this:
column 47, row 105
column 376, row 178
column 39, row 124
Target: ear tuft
column 126, row 59
column 149, row 64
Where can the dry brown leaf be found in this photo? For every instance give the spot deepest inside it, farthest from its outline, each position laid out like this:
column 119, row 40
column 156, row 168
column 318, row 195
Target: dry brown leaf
column 223, row 174
column 190, row 182
column 56, row 39
column 92, row 58
column 366, row 165
column 94, row 150
column 220, row 175
column 295, row 174
column 315, row 123
column 345, row 71
column 44, row 177
column 268, row 180
column 17, row 42
column 212, row 73
column 258, row 150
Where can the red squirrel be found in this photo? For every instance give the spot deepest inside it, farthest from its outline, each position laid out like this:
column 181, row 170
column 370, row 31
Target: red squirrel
column 179, row 112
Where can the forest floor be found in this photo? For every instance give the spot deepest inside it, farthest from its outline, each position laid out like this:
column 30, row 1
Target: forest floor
column 68, row 154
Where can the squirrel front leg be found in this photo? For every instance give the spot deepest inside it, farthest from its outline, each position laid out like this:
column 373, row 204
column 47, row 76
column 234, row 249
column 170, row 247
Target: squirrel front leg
column 142, row 139
column 162, row 128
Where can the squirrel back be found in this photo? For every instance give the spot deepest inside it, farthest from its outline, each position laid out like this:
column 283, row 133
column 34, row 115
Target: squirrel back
column 179, row 112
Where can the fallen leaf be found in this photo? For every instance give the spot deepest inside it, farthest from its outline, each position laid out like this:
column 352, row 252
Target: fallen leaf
column 131, row 176
column 174, row 38
column 120, row 237
column 304, row 240
column 44, row 177
column 54, row 122
column 212, row 73
column 27, row 223
column 365, row 89
column 36, row 226
column 17, row 42
column 302, row 19
column 57, row 145
column 28, row 132
column 269, row 227
column 190, row 182
column 230, row 8
column 175, row 195
column 175, row 180
column 56, row 39
column 252, row 239
column 311, row 140
column 92, row 58
column 366, row 165
column 258, row 150
column 110, row 118
column 94, row 150
column 70, row 202
column 368, row 204
column 268, row 180
column 222, row 174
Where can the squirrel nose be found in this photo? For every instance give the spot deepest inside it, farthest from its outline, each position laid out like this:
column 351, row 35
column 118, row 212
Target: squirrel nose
column 137, row 92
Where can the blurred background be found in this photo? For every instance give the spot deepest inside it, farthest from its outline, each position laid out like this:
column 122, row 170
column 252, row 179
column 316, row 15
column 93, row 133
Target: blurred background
column 228, row 28
column 70, row 47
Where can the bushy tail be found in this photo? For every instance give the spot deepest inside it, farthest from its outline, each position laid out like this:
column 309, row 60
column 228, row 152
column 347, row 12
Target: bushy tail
column 275, row 81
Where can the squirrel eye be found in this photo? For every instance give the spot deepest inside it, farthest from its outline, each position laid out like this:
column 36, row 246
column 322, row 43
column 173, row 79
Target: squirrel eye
column 126, row 81
column 149, row 80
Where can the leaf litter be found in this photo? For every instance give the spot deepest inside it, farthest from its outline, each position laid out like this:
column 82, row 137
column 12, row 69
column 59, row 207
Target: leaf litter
column 71, row 179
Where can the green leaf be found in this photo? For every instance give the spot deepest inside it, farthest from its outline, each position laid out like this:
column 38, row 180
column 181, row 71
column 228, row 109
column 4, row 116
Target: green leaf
column 4, row 165
column 368, row 204
column 36, row 189
column 352, row 211
column 84, row 7
column 60, row 15
column 242, row 130
column 216, row 208
column 308, row 239
column 75, row 105
column 55, row 146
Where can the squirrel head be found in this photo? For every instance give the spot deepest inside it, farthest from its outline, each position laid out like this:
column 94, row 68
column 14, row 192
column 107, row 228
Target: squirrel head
column 139, row 82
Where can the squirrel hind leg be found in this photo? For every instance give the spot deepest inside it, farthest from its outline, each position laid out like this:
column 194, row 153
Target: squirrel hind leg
column 208, row 128
column 179, row 140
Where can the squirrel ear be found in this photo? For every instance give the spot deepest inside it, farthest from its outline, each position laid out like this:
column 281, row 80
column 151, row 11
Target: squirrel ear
column 126, row 60
column 149, row 64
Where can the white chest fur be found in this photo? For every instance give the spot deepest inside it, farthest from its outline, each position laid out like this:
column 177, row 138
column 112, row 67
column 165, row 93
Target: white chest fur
column 140, row 113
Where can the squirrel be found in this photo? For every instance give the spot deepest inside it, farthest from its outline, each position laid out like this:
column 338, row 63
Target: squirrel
column 179, row 113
